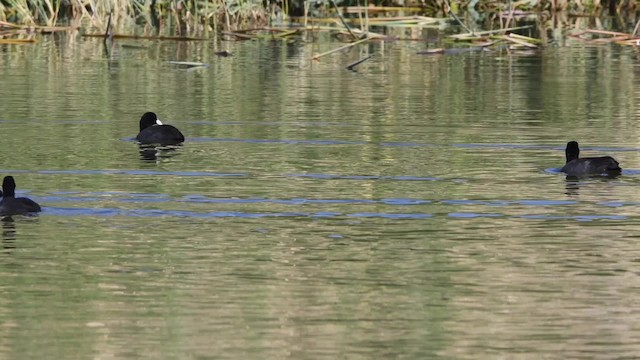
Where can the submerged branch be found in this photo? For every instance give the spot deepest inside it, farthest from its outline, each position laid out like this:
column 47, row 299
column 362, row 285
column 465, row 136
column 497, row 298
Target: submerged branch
column 356, row 63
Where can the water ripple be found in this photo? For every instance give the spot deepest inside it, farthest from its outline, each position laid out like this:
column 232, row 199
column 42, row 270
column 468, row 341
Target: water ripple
column 573, row 217
column 296, row 201
column 72, row 196
column 280, row 141
column 406, row 144
column 276, row 123
column 511, row 202
column 365, row 177
column 473, row 215
column 506, row 146
column 126, row 172
column 390, row 216
column 110, row 212
column 549, row 147
column 619, row 203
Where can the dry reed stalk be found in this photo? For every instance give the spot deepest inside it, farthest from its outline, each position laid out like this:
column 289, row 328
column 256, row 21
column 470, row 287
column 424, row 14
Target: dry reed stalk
column 360, row 17
column 616, row 37
column 143, row 37
column 518, row 41
column 635, row 29
column 287, row 34
column 17, row 41
column 33, row 28
column 342, row 20
column 509, row 17
column 8, row 24
column 356, row 9
column 356, row 31
column 633, row 42
column 455, row 17
column 188, row 63
column 13, row 32
column 238, row 35
column 366, row 18
column 487, row 43
column 612, row 39
column 318, row 56
column 488, row 32
column 604, row 32
column 406, row 18
column 431, row 51
column 525, row 38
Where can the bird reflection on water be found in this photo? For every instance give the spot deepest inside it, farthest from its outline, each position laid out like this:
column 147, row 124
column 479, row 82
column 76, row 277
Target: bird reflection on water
column 573, row 183
column 152, row 153
column 8, row 234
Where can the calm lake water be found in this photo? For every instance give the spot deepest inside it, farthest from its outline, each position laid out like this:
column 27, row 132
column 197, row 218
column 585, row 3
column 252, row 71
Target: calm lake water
column 411, row 209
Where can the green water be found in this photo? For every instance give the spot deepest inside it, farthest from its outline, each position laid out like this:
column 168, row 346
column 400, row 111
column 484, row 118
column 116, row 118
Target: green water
column 411, row 209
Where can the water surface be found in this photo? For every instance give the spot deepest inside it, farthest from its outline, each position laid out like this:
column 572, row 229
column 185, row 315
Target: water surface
column 412, row 209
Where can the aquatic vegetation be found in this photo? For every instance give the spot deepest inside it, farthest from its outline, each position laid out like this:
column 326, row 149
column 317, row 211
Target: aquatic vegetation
column 188, row 16
column 194, row 20
column 182, row 15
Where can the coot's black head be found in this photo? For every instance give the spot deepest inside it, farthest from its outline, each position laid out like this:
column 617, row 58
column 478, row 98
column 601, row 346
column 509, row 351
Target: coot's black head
column 149, row 119
column 572, row 150
column 8, row 186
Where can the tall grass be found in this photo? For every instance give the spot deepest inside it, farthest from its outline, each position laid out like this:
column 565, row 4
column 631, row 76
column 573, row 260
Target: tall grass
column 201, row 15
column 183, row 15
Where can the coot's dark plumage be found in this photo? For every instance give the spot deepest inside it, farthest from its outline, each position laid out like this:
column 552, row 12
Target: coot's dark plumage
column 11, row 205
column 152, row 131
column 604, row 165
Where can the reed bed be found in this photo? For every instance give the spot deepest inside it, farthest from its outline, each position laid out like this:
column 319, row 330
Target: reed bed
column 194, row 20
column 182, row 15
column 230, row 15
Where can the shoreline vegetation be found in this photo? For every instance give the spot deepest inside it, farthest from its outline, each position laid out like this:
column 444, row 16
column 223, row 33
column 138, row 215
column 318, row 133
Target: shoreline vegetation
column 349, row 21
